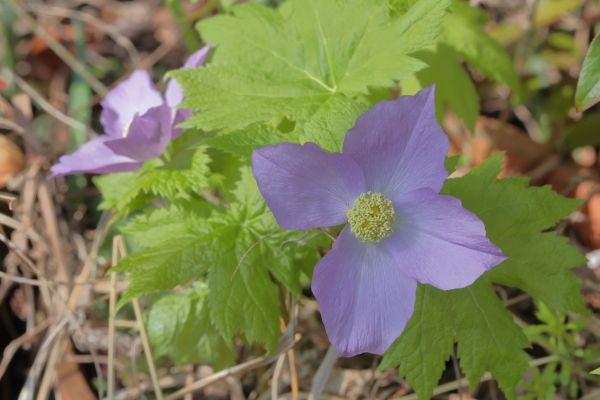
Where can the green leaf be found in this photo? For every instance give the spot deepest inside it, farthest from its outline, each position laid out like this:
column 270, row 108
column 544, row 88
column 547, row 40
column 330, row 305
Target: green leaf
column 472, row 14
column 239, row 250
column 426, row 343
column 451, row 163
column 514, row 215
column 420, row 24
column 185, row 172
column 174, row 253
column 596, row 371
column 462, row 32
column 305, row 62
column 243, row 297
column 328, row 127
column 462, row 36
column 549, row 11
column 117, row 192
column 539, row 263
column 488, row 339
column 152, row 228
column 454, row 87
column 245, row 140
column 158, row 225
column 227, row 4
column 588, row 86
column 536, row 208
column 583, row 132
column 181, row 172
column 179, row 327
column 399, row 7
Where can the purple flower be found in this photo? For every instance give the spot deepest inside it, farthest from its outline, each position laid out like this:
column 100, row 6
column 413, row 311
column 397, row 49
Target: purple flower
column 138, row 124
column 399, row 230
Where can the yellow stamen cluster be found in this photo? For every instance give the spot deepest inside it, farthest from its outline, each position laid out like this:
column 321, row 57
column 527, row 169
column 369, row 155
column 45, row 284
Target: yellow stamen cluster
column 372, row 217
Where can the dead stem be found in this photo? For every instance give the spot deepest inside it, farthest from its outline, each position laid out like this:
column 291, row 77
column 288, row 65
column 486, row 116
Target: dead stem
column 58, row 48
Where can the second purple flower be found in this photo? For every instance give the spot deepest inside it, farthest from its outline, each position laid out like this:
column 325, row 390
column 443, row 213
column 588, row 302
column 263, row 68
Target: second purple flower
column 138, row 124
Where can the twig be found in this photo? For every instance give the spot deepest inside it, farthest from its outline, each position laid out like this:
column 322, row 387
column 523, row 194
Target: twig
column 118, row 252
column 291, row 356
column 110, row 30
column 16, row 225
column 154, row 57
column 44, row 104
column 136, row 390
column 85, row 359
column 40, row 360
column 286, row 343
column 531, row 125
column 457, row 374
column 11, row 349
column 5, row 123
column 134, row 371
column 146, row 63
column 55, row 354
column 66, row 313
column 110, row 391
column 517, row 299
column 51, row 224
column 450, row 386
column 21, row 254
column 25, row 281
column 374, row 383
column 58, row 48
column 147, row 351
column 189, row 379
column 276, row 375
column 322, row 376
column 541, row 171
column 100, row 234
column 122, row 323
column 51, row 284
column 204, row 10
column 9, row 198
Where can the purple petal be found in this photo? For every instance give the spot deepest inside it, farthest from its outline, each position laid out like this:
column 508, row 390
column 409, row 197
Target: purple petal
column 93, row 157
column 306, row 187
column 148, row 135
column 180, row 115
column 439, row 242
column 365, row 298
column 197, row 58
column 174, row 93
column 135, row 95
column 400, row 145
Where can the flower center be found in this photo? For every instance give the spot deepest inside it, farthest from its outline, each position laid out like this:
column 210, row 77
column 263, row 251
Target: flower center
column 372, row 217
column 126, row 129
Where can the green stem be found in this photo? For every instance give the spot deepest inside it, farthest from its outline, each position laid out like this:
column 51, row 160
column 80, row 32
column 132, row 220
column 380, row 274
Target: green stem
column 189, row 35
column 8, row 40
column 80, row 92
